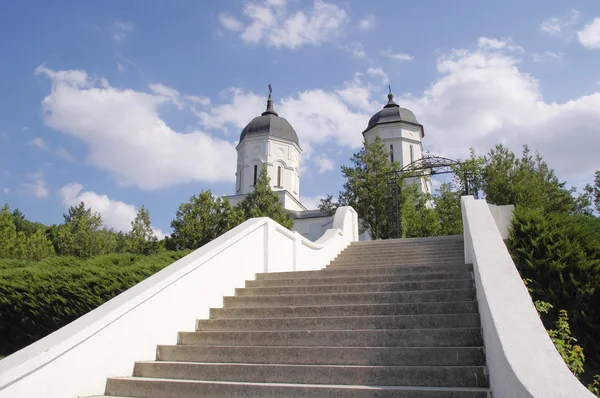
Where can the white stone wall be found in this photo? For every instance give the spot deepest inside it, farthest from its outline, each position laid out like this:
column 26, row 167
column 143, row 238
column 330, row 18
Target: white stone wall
column 275, row 153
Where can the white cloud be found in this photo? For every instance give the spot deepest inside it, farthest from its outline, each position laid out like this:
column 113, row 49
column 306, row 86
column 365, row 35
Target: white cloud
column 324, row 163
column 491, row 43
column 6, row 191
column 36, row 185
column 556, row 26
column 230, row 22
column 38, row 143
column 482, row 98
column 589, row 36
column 312, row 202
column 402, row 57
column 115, row 214
column 540, row 58
column 64, row 154
column 367, row 22
column 120, row 67
column 275, row 24
column 378, row 72
column 356, row 49
column 168, row 93
column 125, row 135
column 120, row 29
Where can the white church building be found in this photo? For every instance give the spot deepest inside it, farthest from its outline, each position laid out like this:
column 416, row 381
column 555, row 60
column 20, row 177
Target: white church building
column 271, row 140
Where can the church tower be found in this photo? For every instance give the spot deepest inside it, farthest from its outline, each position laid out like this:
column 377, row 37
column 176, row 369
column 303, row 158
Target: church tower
column 271, row 140
column 401, row 133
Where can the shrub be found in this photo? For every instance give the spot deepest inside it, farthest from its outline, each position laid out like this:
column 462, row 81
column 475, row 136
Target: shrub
column 37, row 298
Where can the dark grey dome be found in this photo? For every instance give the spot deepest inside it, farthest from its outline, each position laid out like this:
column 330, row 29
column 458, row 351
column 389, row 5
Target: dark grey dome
column 392, row 113
column 271, row 124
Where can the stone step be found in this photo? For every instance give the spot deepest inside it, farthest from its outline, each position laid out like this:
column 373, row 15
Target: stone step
column 433, row 258
column 415, row 296
column 458, row 307
column 375, row 356
column 431, row 376
column 342, row 323
column 426, row 240
column 366, row 271
column 458, row 337
column 161, row 388
column 411, row 252
column 393, row 262
column 337, row 280
column 356, row 287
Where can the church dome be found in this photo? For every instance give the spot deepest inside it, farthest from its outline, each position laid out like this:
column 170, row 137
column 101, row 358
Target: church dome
column 392, row 113
column 269, row 123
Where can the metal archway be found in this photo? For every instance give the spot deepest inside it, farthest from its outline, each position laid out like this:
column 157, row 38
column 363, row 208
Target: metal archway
column 425, row 167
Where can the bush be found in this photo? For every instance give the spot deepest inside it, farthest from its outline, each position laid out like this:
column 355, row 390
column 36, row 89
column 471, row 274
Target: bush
column 560, row 254
column 37, row 298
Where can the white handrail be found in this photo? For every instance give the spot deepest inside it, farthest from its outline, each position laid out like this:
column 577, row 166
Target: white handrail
column 521, row 358
column 77, row 359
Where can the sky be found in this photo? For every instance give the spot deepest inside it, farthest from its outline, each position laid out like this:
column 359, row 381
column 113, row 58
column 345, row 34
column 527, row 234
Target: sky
column 123, row 104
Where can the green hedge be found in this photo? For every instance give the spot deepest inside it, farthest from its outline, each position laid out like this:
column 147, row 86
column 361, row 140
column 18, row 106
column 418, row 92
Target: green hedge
column 560, row 253
column 37, row 298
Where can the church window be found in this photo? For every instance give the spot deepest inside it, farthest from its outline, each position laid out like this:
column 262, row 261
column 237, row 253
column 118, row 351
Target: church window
column 412, row 154
column 392, row 153
column 255, row 174
column 279, row 176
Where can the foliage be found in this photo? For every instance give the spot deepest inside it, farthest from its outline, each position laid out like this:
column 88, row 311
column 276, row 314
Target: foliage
column 447, row 207
column 560, row 254
column 527, row 181
column 141, row 238
column 263, row 202
column 594, row 386
column 15, row 243
column 328, row 205
column 81, row 235
column 417, row 219
column 8, row 233
column 366, row 189
column 37, row 298
column 588, row 201
column 202, row 219
column 469, row 170
column 563, row 340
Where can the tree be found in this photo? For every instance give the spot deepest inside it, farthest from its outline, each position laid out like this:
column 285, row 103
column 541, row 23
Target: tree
column 263, row 202
column 469, row 171
column 81, row 234
column 38, row 246
column 141, row 238
column 366, row 187
column 328, row 205
column 447, row 206
column 589, row 201
column 201, row 220
column 418, row 220
column 8, row 233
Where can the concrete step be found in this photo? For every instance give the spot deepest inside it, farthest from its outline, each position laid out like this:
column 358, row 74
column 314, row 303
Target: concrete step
column 342, row 323
column 357, row 287
column 431, row 376
column 337, row 280
column 366, row 271
column 375, row 356
column 406, row 252
column 415, row 296
column 458, row 307
column 459, row 337
column 394, row 262
column 427, row 240
column 161, row 388
column 406, row 259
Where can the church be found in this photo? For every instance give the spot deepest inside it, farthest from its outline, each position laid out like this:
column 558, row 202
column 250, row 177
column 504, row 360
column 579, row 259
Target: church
column 270, row 139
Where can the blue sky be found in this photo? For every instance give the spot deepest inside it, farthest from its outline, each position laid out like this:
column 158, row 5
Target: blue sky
column 121, row 104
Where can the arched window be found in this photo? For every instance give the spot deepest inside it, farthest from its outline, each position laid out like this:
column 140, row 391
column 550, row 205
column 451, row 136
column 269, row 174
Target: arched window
column 255, row 174
column 279, row 176
column 412, row 154
column 392, row 153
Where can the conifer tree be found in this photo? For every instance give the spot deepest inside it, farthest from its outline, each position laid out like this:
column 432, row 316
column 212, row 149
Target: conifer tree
column 141, row 238
column 263, row 202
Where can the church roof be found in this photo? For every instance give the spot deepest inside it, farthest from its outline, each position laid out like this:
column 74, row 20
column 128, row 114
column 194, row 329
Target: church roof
column 271, row 124
column 392, row 113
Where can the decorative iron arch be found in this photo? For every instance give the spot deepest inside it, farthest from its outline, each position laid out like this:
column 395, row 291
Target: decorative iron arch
column 427, row 166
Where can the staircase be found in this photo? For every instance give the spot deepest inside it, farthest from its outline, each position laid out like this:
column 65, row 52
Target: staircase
column 395, row 318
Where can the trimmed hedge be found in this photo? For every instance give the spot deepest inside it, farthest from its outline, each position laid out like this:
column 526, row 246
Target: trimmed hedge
column 37, row 298
column 560, row 253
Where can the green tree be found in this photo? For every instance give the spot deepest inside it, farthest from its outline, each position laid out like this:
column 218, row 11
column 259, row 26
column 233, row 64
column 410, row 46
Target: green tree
column 141, row 238
column 201, row 220
column 366, row 188
column 418, row 219
column 469, row 171
column 328, row 205
column 81, row 235
column 38, row 246
column 589, row 200
column 8, row 233
column 447, row 206
column 263, row 202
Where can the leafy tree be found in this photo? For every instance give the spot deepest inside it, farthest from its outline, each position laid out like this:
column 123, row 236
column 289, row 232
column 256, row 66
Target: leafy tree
column 202, row 219
column 8, row 233
column 328, row 205
column 263, row 202
column 589, row 201
column 470, row 171
column 38, row 246
column 366, row 189
column 418, row 220
column 447, row 207
column 141, row 238
column 81, row 234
